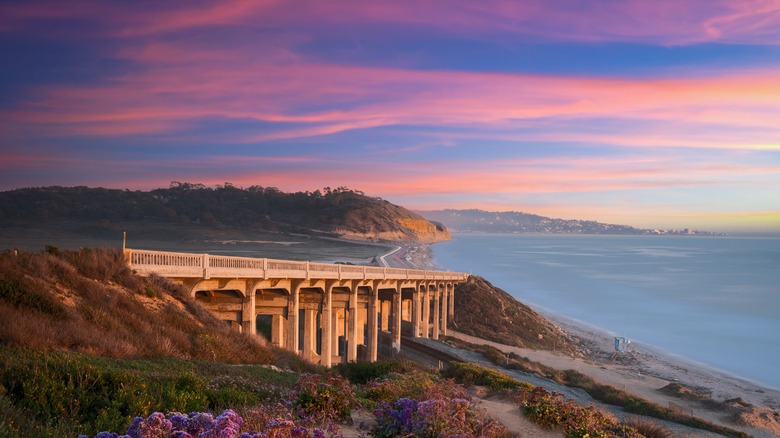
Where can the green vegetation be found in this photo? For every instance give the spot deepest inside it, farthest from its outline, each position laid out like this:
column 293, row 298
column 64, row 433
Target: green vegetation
column 472, row 374
column 328, row 211
column 62, row 394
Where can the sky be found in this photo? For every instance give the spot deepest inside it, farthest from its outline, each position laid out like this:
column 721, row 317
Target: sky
column 656, row 114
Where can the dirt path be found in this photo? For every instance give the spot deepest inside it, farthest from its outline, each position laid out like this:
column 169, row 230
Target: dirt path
column 506, row 412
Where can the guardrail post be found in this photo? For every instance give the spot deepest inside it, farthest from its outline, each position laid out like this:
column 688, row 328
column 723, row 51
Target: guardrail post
column 206, row 266
column 307, row 270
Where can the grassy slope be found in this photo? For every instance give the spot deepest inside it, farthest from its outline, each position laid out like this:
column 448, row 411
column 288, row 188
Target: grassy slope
column 85, row 345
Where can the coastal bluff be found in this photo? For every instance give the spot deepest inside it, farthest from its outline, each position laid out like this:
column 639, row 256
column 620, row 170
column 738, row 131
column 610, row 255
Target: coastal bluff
column 330, row 213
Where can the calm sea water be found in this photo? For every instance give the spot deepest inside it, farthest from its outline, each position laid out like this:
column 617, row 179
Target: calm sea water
column 714, row 300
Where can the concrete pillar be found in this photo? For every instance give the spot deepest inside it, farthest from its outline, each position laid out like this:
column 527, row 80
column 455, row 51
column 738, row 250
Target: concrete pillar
column 309, row 334
column 385, row 315
column 337, row 316
column 373, row 330
column 451, row 287
column 436, row 313
column 352, row 325
column 362, row 325
column 293, row 303
column 277, row 330
column 416, row 313
column 426, row 312
column 327, row 326
column 248, row 313
column 445, row 297
column 397, row 319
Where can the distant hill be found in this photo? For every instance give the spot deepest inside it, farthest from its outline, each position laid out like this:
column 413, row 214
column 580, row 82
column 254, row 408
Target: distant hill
column 517, row 222
column 335, row 213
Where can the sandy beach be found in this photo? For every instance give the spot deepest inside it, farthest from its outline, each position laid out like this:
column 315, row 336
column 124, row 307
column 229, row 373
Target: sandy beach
column 642, row 370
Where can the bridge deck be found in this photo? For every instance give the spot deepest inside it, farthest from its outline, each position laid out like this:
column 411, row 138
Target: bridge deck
column 189, row 265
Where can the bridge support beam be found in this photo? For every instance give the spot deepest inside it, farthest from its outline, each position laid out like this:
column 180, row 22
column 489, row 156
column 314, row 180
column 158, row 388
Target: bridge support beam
column 373, row 323
column 451, row 287
column 416, row 312
column 277, row 330
column 293, row 323
column 327, row 326
column 248, row 315
column 445, row 296
column 426, row 311
column 436, row 312
column 397, row 319
column 352, row 324
column 310, row 334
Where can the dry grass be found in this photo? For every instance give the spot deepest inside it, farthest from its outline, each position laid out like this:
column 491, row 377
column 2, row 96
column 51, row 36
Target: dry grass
column 88, row 301
column 649, row 429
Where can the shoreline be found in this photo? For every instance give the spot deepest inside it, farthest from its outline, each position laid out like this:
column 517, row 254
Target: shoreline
column 644, row 369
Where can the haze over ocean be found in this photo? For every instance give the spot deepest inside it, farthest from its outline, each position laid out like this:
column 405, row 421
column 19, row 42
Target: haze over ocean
column 713, row 300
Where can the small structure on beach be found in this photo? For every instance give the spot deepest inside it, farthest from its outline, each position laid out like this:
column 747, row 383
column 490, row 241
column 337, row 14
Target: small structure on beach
column 620, row 344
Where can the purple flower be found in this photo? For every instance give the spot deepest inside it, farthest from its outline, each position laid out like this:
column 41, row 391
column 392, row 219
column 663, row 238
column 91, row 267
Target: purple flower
column 135, row 427
column 299, row 432
column 178, row 420
column 199, row 422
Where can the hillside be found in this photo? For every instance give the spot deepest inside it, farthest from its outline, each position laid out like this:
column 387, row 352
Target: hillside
column 487, row 312
column 517, row 222
column 332, row 213
column 88, row 301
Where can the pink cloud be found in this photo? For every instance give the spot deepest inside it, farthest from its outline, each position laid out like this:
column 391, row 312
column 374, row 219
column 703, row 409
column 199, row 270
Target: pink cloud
column 658, row 22
column 157, row 99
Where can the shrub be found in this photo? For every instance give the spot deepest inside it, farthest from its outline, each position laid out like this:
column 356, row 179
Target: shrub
column 18, row 295
column 319, row 400
column 473, row 374
column 360, row 373
column 648, row 429
column 554, row 411
column 435, row 417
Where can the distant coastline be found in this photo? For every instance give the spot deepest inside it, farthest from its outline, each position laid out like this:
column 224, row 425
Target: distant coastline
column 514, row 222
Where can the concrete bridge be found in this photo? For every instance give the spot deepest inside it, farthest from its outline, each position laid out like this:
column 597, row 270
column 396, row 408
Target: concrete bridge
column 327, row 313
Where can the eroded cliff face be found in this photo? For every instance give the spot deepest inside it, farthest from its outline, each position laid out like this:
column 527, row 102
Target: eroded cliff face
column 404, row 230
column 424, row 230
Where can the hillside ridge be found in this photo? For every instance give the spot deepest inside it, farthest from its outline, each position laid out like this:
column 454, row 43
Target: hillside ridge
column 340, row 212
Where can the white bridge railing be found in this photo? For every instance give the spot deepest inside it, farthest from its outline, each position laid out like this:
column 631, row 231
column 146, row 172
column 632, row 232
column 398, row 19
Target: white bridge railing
column 187, row 265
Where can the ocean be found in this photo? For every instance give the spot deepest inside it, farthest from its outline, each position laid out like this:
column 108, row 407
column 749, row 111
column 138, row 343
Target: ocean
column 713, row 300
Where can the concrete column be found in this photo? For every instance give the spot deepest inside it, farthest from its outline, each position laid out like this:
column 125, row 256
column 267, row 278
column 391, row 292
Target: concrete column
column 451, row 288
column 352, row 325
column 373, row 329
column 416, row 313
column 293, row 302
column 445, row 296
column 397, row 319
column 362, row 325
column 309, row 334
column 337, row 329
column 277, row 330
column 436, row 313
column 385, row 315
column 248, row 315
column 327, row 326
column 426, row 312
